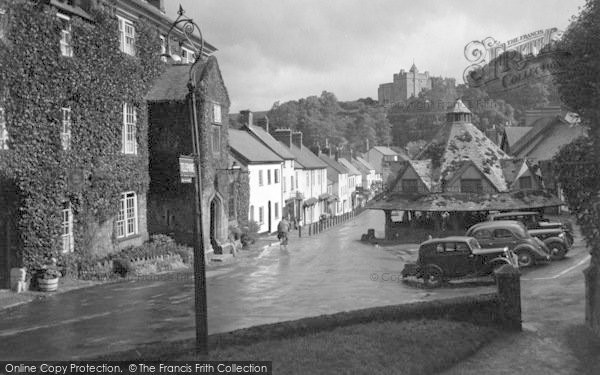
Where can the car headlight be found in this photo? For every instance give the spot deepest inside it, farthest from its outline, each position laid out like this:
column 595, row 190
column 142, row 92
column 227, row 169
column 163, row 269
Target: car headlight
column 562, row 235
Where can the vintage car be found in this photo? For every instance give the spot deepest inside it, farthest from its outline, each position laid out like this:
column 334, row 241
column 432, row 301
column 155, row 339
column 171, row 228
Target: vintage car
column 514, row 235
column 537, row 226
column 441, row 259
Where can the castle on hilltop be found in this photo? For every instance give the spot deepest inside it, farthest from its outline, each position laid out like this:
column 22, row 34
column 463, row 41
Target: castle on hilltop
column 409, row 84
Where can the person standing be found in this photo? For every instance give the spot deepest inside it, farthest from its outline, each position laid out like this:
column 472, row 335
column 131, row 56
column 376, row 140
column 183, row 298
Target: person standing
column 283, row 229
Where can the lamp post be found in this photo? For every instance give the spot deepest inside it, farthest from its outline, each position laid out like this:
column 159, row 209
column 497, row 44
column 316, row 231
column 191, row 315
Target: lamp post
column 186, row 27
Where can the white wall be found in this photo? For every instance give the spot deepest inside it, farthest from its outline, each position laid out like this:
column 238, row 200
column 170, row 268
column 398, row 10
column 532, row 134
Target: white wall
column 260, row 196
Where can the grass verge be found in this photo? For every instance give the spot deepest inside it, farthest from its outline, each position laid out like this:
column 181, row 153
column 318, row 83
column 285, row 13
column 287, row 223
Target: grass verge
column 409, row 347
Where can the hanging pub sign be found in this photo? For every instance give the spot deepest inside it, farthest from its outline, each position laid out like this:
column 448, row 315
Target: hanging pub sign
column 186, row 169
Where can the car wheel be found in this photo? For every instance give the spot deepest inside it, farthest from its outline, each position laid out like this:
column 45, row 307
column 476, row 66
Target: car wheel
column 525, row 259
column 557, row 250
column 432, row 277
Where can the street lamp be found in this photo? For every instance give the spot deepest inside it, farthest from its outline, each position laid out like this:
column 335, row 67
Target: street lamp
column 186, row 27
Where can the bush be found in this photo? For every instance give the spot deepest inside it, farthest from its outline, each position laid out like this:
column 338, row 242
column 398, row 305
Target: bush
column 123, row 267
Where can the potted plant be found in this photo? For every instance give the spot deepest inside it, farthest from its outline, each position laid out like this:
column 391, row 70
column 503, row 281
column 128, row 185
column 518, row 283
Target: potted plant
column 47, row 275
column 47, row 278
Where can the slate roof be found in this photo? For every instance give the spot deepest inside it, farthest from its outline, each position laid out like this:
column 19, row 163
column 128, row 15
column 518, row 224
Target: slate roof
column 423, row 169
column 337, row 166
column 305, row 159
column 514, row 133
column 537, row 127
column 271, row 142
column 360, row 166
column 352, row 170
column 251, row 149
column 546, row 137
column 365, row 163
column 172, row 85
column 385, row 150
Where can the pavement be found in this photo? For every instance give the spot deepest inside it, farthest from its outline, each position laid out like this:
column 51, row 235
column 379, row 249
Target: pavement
column 319, row 274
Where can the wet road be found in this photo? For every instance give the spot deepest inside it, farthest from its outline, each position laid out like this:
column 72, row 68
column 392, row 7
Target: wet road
column 322, row 274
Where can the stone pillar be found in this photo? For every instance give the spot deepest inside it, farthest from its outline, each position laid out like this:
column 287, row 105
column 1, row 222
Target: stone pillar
column 508, row 280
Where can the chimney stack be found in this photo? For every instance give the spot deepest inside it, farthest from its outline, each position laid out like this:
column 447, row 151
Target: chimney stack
column 284, row 136
column 263, row 123
column 316, row 149
column 297, row 139
column 246, row 118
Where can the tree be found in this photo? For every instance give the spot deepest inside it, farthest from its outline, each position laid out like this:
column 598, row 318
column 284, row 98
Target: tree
column 578, row 164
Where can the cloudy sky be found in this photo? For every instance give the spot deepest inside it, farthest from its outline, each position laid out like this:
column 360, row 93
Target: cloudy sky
column 280, row 50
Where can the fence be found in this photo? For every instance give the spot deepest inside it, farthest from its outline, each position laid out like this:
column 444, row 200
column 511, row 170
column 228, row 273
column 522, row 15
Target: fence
column 324, row 224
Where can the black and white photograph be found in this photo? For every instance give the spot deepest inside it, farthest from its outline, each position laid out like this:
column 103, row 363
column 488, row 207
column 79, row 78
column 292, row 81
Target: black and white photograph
column 300, row 187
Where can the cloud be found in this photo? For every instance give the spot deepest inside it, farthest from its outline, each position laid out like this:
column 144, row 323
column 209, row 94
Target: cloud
column 272, row 50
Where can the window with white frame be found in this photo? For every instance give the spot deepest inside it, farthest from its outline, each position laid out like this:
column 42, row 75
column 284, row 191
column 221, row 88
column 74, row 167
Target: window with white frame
column 268, row 177
column 129, row 129
column 261, row 215
column 126, row 36
column 3, row 130
column 187, row 56
column 127, row 218
column 65, row 131
column 296, row 181
column 67, row 229
column 260, row 178
column 276, row 177
column 251, row 213
column 292, row 183
column 66, row 43
column 216, row 113
column 276, row 214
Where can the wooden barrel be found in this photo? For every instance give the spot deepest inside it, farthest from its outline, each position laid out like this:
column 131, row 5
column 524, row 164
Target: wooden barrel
column 48, row 285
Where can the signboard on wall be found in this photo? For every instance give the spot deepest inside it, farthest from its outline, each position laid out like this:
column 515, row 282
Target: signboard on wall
column 187, row 170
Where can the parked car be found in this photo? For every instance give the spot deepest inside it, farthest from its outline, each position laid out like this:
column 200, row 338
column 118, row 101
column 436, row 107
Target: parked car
column 441, row 259
column 534, row 221
column 514, row 235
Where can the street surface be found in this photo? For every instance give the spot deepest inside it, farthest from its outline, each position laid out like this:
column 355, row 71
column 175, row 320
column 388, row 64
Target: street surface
column 323, row 274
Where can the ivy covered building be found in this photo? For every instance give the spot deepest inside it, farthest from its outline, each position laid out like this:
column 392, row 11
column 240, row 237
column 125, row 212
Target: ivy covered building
column 74, row 125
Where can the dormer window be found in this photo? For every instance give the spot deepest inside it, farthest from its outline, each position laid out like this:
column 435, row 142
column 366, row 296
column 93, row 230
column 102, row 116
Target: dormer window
column 66, row 43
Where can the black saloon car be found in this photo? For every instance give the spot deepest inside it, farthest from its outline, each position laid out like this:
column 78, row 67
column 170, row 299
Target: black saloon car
column 442, row 259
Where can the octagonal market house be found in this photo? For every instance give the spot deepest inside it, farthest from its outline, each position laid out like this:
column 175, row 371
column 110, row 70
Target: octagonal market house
column 170, row 202
column 458, row 178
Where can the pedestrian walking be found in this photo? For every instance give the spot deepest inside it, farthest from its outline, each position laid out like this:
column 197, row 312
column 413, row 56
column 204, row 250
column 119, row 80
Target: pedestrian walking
column 283, row 229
